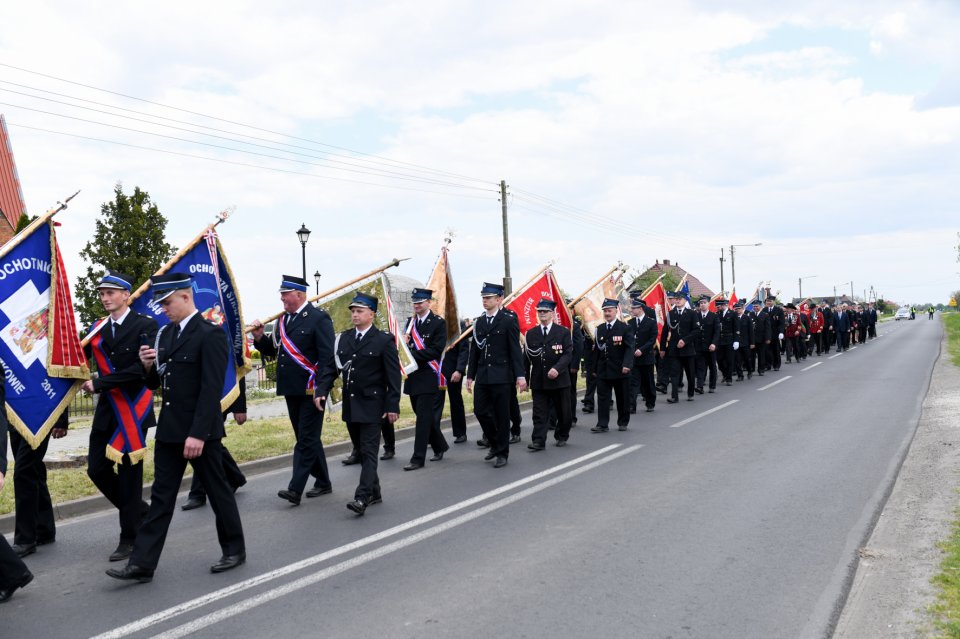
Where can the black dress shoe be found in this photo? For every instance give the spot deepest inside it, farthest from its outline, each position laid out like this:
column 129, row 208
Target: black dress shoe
column 23, row 550
column 690, row 399
column 460, row 439
column 375, row 500
column 713, row 390
column 489, row 456
column 500, row 463
column 699, row 389
column 483, row 443
column 535, row 446
column 357, row 506
column 193, row 503
column 438, row 456
column 6, row 593
column 122, row 552
column 350, row 461
column 561, row 443
column 131, row 573
column 514, row 439
column 599, row 429
column 289, row 495
column 316, row 491
column 621, row 428
column 674, row 401
column 387, row 454
column 649, row 409
column 228, row 562
column 413, row 466
column 587, row 409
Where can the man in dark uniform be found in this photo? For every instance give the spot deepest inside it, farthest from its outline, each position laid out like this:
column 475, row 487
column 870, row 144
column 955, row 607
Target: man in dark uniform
column 426, row 386
column 842, row 324
column 729, row 341
column 302, row 342
column 370, row 368
column 761, row 340
column 13, row 572
column 579, row 340
column 775, row 316
column 197, row 497
column 190, row 360
column 496, row 365
column 644, row 325
column 827, row 333
column 454, row 366
column 549, row 347
column 115, row 344
column 684, row 325
column 613, row 361
column 744, row 355
column 589, row 393
column 705, row 344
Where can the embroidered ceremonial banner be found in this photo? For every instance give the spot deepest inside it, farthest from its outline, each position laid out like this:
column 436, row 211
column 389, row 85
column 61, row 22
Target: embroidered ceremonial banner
column 444, row 295
column 39, row 344
column 588, row 308
column 217, row 298
column 524, row 302
column 657, row 300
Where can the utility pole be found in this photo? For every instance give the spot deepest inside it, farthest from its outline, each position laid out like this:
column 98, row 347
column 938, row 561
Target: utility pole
column 800, row 286
column 507, row 280
column 851, row 290
column 733, row 267
column 721, row 270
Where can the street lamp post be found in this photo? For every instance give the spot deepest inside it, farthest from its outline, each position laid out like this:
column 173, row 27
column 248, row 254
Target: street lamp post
column 842, row 284
column 316, row 278
column 303, row 235
column 721, row 270
column 733, row 271
column 800, row 284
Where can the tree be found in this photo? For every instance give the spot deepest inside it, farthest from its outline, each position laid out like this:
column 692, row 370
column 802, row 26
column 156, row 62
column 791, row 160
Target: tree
column 130, row 237
column 882, row 305
column 24, row 222
column 669, row 281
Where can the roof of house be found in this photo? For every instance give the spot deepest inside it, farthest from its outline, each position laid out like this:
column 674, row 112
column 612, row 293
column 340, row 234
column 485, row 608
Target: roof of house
column 11, row 196
column 697, row 288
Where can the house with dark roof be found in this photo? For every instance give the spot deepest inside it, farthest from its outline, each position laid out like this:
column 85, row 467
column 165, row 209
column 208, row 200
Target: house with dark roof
column 697, row 288
column 12, row 205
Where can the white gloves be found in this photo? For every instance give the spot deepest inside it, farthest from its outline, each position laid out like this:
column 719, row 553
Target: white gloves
column 736, row 345
column 780, row 336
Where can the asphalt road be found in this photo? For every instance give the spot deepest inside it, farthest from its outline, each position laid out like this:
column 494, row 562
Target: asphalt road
column 736, row 515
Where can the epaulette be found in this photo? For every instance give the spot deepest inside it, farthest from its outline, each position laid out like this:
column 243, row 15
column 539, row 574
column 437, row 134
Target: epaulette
column 507, row 311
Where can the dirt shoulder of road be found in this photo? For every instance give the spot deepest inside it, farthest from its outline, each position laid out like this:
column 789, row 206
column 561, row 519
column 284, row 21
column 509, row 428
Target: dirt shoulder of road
column 892, row 587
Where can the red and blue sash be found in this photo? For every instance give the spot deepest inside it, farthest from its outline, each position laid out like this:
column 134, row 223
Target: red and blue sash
column 129, row 438
column 297, row 356
column 435, row 364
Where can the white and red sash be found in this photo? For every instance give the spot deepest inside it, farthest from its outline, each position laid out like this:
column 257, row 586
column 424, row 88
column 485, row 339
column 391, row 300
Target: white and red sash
column 297, row 356
column 435, row 364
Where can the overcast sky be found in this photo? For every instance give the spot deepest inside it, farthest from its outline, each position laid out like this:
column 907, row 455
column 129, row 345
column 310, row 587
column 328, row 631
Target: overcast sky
column 628, row 131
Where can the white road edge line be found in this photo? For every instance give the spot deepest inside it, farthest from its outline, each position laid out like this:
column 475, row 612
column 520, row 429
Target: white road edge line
column 810, row 366
column 229, row 591
column 837, row 355
column 703, row 414
column 331, row 571
column 771, row 385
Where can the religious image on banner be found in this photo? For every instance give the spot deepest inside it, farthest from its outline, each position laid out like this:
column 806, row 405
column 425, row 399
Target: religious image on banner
column 217, row 299
column 444, row 295
column 337, row 305
column 588, row 308
column 656, row 298
column 524, row 301
column 39, row 345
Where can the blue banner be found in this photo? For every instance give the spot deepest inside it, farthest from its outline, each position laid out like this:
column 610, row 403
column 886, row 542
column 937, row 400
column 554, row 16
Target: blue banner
column 218, row 300
column 28, row 334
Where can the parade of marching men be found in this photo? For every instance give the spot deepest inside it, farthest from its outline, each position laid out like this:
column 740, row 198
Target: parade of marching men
column 511, row 319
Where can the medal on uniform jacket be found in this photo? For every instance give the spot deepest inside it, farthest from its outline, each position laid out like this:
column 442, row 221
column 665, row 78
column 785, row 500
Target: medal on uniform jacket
column 128, row 439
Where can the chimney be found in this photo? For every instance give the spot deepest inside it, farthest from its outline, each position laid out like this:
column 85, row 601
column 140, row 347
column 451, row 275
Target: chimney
column 666, row 262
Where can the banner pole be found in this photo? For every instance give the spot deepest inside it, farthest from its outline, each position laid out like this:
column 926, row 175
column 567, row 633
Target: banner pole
column 618, row 267
column 27, row 230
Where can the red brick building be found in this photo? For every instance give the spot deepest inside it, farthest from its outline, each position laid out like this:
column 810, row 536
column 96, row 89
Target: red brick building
column 12, row 205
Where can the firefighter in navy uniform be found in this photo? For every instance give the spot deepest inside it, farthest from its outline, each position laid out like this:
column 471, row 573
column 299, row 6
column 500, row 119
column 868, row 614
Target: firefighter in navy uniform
column 679, row 345
column 426, row 337
column 761, row 340
column 774, row 315
column 370, row 368
column 190, row 361
column 549, row 347
column 496, row 366
column 706, row 341
column 613, row 361
column 302, row 342
column 644, row 324
column 119, row 345
column 729, row 342
column 744, row 355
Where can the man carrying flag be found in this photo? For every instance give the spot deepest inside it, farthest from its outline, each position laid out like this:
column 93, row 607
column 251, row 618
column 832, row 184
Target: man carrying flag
column 124, row 412
column 426, row 386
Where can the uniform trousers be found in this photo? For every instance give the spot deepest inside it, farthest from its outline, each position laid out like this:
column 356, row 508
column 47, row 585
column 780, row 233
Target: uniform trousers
column 458, row 416
column 491, row 405
column 590, row 392
column 308, row 456
column 773, row 354
column 34, row 513
column 619, row 386
column 706, row 361
column 515, row 418
column 121, row 484
column 550, row 402
column 12, row 568
column 681, row 365
column 366, row 441
column 169, row 466
column 725, row 357
column 792, row 345
column 759, row 357
column 843, row 340
column 231, row 470
column 428, row 408
column 642, row 376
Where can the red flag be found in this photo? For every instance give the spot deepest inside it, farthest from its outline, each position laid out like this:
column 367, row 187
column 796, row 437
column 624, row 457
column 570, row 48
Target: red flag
column 65, row 356
column 733, row 298
column 524, row 302
column 713, row 303
column 657, row 300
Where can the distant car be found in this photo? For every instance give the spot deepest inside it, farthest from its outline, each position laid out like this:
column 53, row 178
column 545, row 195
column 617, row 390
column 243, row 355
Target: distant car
column 902, row 313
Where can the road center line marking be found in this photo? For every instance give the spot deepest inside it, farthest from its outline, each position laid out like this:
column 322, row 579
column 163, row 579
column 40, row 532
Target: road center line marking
column 837, row 355
column 229, row 591
column 331, row 571
column 703, row 414
column 810, row 366
column 771, row 385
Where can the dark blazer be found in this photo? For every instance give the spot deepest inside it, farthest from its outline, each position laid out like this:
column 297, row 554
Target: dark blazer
column 578, row 344
column 434, row 334
column 841, row 322
column 195, row 367
column 553, row 351
column 371, row 375
column 746, row 329
column 777, row 321
column 761, row 327
column 709, row 333
column 684, row 325
column 645, row 336
column 613, row 350
column 495, row 355
column 311, row 331
column 827, row 318
column 123, row 350
column 729, row 328
column 457, row 357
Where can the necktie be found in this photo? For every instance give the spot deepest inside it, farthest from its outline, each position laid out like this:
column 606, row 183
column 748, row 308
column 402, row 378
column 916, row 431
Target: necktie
column 419, row 324
column 176, row 331
column 286, row 322
column 489, row 319
column 113, row 329
column 356, row 338
column 544, row 331
column 609, row 327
